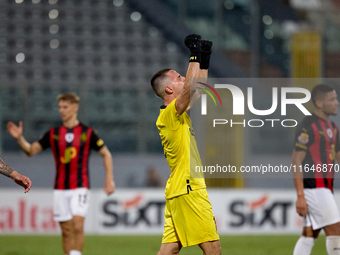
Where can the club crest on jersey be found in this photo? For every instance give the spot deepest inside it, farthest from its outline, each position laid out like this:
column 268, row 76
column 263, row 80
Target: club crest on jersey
column 329, row 133
column 83, row 137
column 69, row 137
column 303, row 138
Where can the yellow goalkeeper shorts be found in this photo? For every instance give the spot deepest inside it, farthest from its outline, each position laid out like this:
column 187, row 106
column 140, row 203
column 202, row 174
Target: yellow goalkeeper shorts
column 189, row 219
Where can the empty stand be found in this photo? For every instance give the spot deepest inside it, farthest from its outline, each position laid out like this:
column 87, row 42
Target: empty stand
column 103, row 50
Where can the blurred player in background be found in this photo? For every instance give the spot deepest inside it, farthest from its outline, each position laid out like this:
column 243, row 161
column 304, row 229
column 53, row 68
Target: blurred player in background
column 189, row 219
column 153, row 180
column 15, row 176
column 71, row 144
column 316, row 146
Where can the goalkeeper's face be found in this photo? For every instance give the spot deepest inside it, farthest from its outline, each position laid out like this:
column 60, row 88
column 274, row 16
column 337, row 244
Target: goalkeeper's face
column 177, row 82
column 67, row 110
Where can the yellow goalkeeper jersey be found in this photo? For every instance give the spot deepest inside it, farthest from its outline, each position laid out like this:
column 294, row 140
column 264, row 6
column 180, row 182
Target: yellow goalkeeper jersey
column 179, row 143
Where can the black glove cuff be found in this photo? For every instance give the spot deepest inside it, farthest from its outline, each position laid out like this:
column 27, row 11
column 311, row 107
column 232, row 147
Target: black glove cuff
column 205, row 60
column 205, row 54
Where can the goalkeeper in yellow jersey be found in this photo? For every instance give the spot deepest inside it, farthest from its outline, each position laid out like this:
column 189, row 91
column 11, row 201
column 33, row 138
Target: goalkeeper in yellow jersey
column 189, row 219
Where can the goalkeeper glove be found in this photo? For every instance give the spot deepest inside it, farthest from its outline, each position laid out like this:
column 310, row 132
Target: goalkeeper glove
column 205, row 54
column 193, row 42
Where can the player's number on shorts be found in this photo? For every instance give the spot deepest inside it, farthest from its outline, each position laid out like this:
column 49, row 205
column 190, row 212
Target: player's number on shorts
column 82, row 199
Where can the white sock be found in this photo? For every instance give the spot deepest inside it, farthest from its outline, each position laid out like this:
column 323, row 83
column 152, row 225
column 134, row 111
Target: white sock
column 304, row 246
column 74, row 252
column 333, row 245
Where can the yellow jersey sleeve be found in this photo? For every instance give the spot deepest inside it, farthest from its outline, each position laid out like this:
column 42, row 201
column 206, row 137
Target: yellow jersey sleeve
column 180, row 149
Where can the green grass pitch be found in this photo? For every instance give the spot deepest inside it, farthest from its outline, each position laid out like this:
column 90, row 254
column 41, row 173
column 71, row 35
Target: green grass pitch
column 146, row 245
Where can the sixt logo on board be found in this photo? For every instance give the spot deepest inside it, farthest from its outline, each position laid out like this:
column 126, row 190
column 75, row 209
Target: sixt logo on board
column 134, row 212
column 259, row 213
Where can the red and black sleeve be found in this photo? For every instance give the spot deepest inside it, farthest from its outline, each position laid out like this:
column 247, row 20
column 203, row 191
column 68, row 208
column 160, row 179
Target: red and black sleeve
column 96, row 143
column 45, row 140
column 304, row 135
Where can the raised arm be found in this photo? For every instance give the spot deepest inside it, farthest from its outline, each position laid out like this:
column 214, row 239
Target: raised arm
column 183, row 99
column 109, row 185
column 297, row 159
column 197, row 93
column 16, row 132
column 193, row 42
column 15, row 176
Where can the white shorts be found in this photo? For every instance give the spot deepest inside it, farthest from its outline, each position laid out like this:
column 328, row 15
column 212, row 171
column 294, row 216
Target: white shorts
column 67, row 203
column 321, row 208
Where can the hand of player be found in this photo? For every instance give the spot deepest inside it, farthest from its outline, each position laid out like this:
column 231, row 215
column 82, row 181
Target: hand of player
column 205, row 54
column 14, row 130
column 193, row 41
column 206, row 46
column 301, row 206
column 109, row 187
column 21, row 180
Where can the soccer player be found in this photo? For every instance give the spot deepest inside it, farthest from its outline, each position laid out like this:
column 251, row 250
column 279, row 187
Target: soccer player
column 70, row 144
column 15, row 176
column 188, row 213
column 316, row 146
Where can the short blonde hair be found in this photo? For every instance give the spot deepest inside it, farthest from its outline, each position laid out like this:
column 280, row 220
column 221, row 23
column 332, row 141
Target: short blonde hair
column 70, row 96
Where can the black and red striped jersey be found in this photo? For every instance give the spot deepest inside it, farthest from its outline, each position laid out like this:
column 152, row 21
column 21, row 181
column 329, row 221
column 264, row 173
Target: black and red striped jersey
column 71, row 150
column 320, row 139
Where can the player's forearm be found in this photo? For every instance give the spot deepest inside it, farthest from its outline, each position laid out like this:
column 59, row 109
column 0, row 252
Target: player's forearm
column 298, row 182
column 297, row 161
column 203, row 74
column 108, row 165
column 188, row 88
column 192, row 72
column 194, row 98
column 14, row 175
column 197, row 93
column 6, row 169
column 298, row 178
column 24, row 145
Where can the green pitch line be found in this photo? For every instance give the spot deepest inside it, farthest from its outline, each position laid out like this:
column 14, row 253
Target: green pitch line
column 148, row 245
